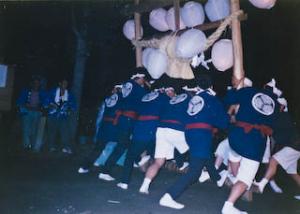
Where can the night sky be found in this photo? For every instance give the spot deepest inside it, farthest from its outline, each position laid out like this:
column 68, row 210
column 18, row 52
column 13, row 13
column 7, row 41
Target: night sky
column 37, row 37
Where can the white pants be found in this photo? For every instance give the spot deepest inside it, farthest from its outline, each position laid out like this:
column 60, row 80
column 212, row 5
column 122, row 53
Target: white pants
column 223, row 150
column 167, row 140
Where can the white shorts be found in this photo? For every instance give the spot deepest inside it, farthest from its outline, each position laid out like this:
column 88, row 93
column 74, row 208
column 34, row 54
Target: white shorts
column 223, row 150
column 288, row 159
column 247, row 170
column 167, row 140
column 267, row 153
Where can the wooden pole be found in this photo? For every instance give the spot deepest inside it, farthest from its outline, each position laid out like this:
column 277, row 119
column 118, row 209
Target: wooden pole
column 177, row 14
column 137, row 22
column 238, row 70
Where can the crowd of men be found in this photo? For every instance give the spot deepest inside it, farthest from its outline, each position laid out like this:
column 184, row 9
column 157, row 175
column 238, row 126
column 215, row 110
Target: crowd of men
column 167, row 122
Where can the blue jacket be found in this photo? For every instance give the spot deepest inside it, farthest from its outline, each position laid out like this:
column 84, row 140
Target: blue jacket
column 24, row 98
column 149, row 110
column 257, row 107
column 63, row 110
column 173, row 114
column 132, row 93
column 204, row 113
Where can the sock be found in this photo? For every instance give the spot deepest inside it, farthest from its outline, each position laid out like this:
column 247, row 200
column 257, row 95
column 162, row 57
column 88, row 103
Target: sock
column 217, row 167
column 262, row 184
column 228, row 203
column 146, row 183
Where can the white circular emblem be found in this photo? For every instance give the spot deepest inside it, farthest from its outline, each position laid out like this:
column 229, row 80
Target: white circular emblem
column 112, row 100
column 196, row 104
column 150, row 96
column 263, row 104
column 126, row 89
column 178, row 99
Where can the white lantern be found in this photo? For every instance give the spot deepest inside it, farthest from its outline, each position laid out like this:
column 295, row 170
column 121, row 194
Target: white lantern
column 157, row 19
column 129, row 29
column 217, row 9
column 263, row 4
column 157, row 63
column 145, row 56
column 170, row 18
column 190, row 43
column 192, row 14
column 222, row 54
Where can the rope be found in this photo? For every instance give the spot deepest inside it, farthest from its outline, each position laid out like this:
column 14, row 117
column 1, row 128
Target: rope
column 216, row 35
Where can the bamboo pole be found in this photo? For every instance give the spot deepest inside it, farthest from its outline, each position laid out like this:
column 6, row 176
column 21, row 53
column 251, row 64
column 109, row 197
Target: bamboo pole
column 137, row 22
column 177, row 14
column 238, row 70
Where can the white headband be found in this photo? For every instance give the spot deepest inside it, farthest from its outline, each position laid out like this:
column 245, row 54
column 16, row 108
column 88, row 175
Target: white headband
column 137, row 75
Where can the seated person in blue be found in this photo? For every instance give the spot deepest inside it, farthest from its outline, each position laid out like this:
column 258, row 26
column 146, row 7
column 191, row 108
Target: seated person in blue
column 60, row 104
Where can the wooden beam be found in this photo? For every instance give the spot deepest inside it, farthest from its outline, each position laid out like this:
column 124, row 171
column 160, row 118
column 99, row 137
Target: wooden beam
column 238, row 69
column 137, row 22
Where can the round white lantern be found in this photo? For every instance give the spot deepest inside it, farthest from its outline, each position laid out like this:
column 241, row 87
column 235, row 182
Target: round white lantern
column 263, row 4
column 157, row 63
column 170, row 18
column 129, row 29
column 145, row 56
column 192, row 14
column 217, row 9
column 190, row 43
column 222, row 54
column 157, row 19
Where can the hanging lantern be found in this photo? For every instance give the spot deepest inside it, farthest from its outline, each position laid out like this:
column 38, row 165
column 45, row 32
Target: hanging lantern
column 217, row 9
column 157, row 19
column 190, row 43
column 263, row 4
column 170, row 18
column 145, row 56
column 222, row 54
column 192, row 14
column 129, row 29
column 157, row 63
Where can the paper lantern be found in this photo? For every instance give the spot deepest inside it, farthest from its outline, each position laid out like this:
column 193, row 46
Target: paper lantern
column 145, row 56
column 170, row 18
column 157, row 19
column 129, row 29
column 217, row 9
column 222, row 54
column 192, row 14
column 157, row 63
column 190, row 43
column 263, row 4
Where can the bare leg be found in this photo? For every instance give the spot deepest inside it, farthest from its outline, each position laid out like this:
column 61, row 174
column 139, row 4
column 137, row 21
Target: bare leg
column 218, row 162
column 272, row 168
column 234, row 167
column 237, row 190
column 296, row 178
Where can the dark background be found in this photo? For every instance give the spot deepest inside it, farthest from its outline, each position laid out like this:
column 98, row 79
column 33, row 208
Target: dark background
column 37, row 37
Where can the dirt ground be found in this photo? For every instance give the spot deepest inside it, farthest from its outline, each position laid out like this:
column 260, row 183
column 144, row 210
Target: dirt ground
column 49, row 183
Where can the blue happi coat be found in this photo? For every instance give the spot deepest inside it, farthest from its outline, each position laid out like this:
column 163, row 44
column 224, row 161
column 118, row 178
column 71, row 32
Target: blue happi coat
column 173, row 114
column 257, row 108
column 149, row 111
column 24, row 98
column 204, row 113
column 132, row 93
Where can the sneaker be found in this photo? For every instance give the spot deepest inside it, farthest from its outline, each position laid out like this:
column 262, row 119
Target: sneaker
column 223, row 175
column 123, row 186
column 67, row 150
column 230, row 209
column 144, row 190
column 144, row 160
column 106, row 177
column 204, row 176
column 167, row 201
column 185, row 165
column 275, row 187
column 82, row 170
column 297, row 197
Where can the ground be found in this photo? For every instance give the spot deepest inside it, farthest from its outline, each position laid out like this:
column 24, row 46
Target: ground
column 49, row 183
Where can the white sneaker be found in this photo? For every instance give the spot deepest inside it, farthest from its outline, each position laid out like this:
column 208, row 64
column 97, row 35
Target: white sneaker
column 144, row 160
column 167, row 201
column 185, row 165
column 82, row 170
column 204, row 176
column 297, row 197
column 123, row 186
column 230, row 209
column 106, row 177
column 223, row 175
column 144, row 190
column 275, row 187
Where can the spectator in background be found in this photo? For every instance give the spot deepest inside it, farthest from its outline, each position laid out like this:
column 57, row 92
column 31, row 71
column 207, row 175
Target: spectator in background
column 30, row 103
column 60, row 104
